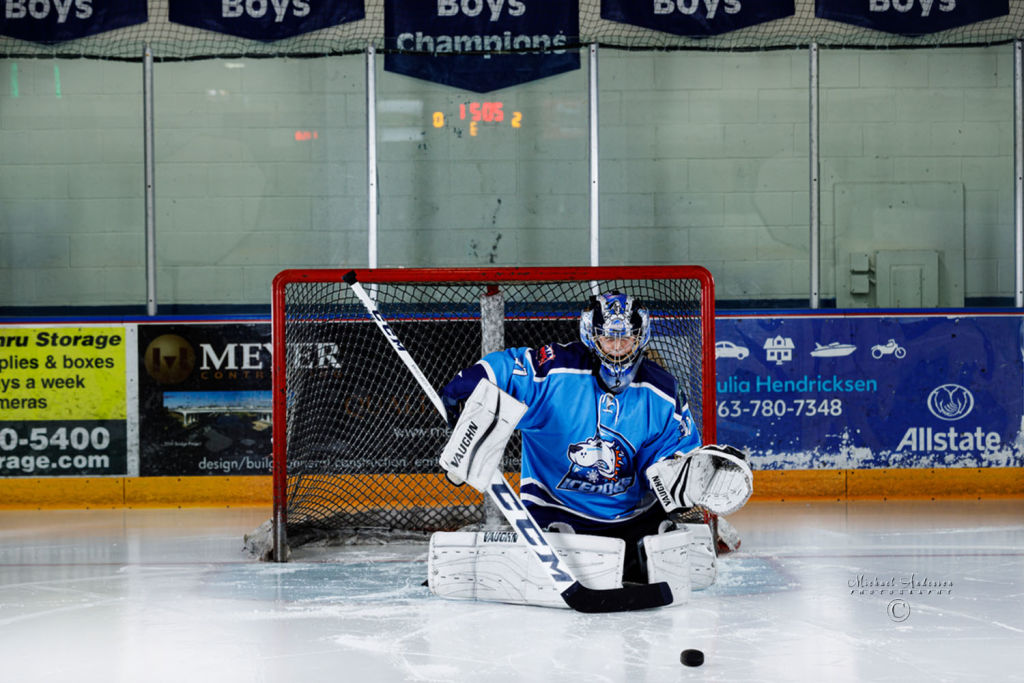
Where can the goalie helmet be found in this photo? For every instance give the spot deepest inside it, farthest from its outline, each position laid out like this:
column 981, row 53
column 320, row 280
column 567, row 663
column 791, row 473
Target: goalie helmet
column 616, row 329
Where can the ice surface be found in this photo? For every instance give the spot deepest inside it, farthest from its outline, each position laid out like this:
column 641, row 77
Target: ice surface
column 170, row 595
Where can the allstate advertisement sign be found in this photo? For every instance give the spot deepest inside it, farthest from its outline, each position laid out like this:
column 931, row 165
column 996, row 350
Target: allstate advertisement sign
column 807, row 392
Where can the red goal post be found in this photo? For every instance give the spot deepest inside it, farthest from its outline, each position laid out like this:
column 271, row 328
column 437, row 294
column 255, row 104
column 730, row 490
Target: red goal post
column 356, row 441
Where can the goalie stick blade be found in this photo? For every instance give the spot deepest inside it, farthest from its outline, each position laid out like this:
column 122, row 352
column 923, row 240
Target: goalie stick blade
column 626, row 599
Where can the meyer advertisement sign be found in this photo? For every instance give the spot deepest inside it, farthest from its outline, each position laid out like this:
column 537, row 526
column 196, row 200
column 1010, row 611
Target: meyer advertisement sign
column 204, row 399
column 867, row 392
column 481, row 46
column 911, row 17
column 62, row 401
column 54, row 21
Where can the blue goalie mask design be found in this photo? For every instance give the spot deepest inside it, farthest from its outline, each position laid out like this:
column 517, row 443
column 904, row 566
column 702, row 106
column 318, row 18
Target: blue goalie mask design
column 617, row 329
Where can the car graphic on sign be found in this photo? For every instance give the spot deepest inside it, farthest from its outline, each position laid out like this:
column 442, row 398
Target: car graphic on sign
column 726, row 349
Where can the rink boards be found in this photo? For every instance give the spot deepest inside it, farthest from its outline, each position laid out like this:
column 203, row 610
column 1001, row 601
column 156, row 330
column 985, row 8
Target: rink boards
column 843, row 404
column 769, row 485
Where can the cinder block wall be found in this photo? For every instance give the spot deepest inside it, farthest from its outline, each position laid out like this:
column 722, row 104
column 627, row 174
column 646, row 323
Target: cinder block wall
column 261, row 165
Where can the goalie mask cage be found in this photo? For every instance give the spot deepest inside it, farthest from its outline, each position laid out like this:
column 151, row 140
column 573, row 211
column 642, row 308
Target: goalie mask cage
column 356, row 440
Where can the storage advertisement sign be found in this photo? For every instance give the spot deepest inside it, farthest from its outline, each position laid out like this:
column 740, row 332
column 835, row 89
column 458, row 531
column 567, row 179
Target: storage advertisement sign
column 62, row 401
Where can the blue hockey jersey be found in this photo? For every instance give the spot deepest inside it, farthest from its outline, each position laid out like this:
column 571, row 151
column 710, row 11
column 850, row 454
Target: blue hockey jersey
column 585, row 450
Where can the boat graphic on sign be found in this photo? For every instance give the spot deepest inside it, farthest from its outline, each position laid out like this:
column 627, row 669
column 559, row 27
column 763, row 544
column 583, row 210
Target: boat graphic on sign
column 833, row 350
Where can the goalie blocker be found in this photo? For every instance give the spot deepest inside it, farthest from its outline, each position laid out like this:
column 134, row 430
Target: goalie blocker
column 473, row 452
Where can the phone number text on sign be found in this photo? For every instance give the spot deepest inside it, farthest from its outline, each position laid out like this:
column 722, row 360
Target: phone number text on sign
column 830, row 407
column 62, row 438
column 62, row 448
column 21, row 450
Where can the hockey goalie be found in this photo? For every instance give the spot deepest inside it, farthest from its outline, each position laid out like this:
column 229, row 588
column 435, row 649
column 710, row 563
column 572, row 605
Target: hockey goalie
column 612, row 467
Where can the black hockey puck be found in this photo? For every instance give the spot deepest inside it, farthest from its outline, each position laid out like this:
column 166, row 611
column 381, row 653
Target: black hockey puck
column 691, row 657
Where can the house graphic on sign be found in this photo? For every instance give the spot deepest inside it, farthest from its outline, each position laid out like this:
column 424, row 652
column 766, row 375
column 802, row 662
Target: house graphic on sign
column 779, row 349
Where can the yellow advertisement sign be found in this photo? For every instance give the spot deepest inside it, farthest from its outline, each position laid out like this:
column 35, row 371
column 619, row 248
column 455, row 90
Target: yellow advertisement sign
column 62, row 373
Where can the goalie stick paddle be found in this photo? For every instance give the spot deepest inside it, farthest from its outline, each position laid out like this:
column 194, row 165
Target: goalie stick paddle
column 576, row 595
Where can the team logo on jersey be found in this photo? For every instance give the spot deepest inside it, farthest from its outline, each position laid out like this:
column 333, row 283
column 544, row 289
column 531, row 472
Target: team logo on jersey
column 596, row 466
column 545, row 354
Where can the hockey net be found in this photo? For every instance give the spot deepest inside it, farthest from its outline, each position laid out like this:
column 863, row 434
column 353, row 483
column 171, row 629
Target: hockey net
column 356, row 441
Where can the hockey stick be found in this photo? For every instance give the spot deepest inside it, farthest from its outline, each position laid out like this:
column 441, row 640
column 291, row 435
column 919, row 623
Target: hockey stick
column 576, row 595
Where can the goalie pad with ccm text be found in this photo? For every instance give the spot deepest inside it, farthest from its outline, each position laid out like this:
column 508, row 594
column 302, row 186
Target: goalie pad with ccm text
column 474, row 449
column 494, row 566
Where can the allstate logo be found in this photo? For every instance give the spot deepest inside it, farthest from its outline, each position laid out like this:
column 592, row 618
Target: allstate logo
column 950, row 402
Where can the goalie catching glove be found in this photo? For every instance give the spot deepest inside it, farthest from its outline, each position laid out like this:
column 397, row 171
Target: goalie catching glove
column 714, row 477
column 473, row 452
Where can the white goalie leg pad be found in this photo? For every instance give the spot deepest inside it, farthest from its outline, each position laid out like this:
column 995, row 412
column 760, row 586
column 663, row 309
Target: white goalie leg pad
column 667, row 559
column 474, row 449
column 493, row 566
column 702, row 556
column 685, row 558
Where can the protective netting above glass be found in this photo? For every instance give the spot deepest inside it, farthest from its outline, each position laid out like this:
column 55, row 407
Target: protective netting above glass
column 172, row 41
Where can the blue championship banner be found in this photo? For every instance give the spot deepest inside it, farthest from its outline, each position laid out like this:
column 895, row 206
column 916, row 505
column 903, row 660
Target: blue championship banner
column 481, row 45
column 911, row 17
column 54, row 21
column 695, row 17
column 849, row 392
column 265, row 20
